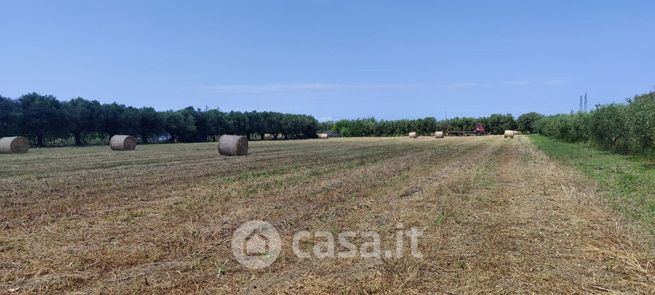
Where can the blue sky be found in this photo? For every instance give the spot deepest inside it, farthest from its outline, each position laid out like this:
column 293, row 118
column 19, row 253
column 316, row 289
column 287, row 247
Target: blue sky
column 331, row 59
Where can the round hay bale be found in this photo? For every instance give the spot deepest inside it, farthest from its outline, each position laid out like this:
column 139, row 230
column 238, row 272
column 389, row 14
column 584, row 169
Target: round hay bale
column 14, row 145
column 323, row 136
column 508, row 134
column 438, row 134
column 233, row 145
column 413, row 135
column 268, row 136
column 122, row 143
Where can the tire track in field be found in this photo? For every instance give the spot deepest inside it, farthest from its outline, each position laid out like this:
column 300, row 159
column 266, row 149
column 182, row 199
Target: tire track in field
column 399, row 153
column 102, row 186
column 530, row 232
column 532, row 228
column 499, row 217
column 563, row 239
column 312, row 206
column 381, row 214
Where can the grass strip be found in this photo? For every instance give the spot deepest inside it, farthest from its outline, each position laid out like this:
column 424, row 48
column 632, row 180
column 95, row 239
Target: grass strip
column 628, row 180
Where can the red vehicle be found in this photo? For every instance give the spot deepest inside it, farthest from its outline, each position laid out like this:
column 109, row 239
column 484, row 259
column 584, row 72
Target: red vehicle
column 479, row 130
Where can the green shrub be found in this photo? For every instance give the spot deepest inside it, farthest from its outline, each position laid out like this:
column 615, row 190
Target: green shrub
column 609, row 127
column 641, row 122
column 526, row 122
column 622, row 128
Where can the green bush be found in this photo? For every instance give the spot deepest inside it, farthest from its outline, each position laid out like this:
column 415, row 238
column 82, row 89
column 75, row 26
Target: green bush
column 609, row 127
column 526, row 121
column 623, row 128
column 569, row 128
column 641, row 121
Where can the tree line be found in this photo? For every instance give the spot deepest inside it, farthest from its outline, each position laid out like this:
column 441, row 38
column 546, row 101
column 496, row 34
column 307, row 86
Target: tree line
column 47, row 121
column 620, row 127
column 495, row 124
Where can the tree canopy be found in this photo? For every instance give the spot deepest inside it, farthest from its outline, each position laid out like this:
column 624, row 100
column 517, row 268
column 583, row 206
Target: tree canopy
column 44, row 119
column 80, row 121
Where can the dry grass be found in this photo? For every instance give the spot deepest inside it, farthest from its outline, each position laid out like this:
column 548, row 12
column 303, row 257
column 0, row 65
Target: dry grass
column 498, row 216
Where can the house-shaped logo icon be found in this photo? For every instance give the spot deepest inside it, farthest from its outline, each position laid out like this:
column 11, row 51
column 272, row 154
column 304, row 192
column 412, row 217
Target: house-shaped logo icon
column 256, row 245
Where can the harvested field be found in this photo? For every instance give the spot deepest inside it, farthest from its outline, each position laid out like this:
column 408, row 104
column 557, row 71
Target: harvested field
column 498, row 217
